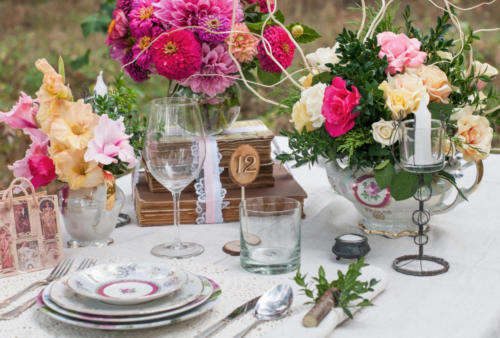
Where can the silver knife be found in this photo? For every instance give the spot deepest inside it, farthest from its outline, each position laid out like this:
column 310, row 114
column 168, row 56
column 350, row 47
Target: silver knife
column 236, row 312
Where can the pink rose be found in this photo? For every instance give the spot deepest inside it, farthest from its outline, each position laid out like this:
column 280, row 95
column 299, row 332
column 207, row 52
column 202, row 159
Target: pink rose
column 43, row 170
column 338, row 105
column 400, row 50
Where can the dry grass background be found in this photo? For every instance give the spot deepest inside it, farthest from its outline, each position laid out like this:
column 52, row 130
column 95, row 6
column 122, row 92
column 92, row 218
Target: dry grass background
column 48, row 28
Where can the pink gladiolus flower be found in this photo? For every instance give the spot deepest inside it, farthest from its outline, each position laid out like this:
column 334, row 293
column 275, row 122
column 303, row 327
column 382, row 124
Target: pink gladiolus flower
column 400, row 50
column 22, row 115
column 38, row 147
column 42, row 169
column 338, row 105
column 109, row 142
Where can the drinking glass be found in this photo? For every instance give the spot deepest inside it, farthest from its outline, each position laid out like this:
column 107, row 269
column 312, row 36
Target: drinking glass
column 174, row 152
column 270, row 234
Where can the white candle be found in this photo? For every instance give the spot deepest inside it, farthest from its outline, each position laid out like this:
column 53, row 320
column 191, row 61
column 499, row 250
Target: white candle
column 100, row 88
column 423, row 147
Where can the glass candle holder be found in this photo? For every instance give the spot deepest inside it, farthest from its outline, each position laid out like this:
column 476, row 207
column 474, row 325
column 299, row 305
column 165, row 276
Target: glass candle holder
column 422, row 149
column 270, row 234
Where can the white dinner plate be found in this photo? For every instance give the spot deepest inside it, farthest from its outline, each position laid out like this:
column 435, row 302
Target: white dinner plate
column 134, row 326
column 65, row 297
column 126, row 284
column 210, row 287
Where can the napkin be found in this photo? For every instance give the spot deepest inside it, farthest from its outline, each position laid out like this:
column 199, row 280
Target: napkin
column 291, row 325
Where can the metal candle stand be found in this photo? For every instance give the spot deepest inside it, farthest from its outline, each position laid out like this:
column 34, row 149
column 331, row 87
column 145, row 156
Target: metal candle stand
column 420, row 217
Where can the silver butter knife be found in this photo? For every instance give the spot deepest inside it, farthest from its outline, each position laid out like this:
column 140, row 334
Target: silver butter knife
column 236, row 312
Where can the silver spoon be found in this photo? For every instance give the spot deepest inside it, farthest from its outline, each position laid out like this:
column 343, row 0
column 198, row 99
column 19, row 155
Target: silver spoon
column 273, row 304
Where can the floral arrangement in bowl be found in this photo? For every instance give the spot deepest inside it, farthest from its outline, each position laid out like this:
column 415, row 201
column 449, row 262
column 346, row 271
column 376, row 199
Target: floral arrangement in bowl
column 360, row 89
column 70, row 142
column 203, row 47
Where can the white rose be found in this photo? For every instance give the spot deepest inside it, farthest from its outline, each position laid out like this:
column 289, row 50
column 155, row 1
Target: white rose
column 484, row 69
column 322, row 56
column 458, row 113
column 312, row 97
column 383, row 132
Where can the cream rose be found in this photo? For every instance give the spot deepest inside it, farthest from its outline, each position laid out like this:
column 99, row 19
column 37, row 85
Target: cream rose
column 313, row 99
column 300, row 117
column 384, row 132
column 403, row 93
column 435, row 81
column 459, row 113
column 322, row 56
column 475, row 136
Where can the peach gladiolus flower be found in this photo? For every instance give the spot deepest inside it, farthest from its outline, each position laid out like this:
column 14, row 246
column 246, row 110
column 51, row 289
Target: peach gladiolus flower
column 52, row 95
column 75, row 126
column 72, row 168
column 475, row 135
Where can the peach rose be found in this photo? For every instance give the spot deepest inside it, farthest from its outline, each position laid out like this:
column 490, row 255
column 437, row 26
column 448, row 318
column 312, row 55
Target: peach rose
column 403, row 94
column 475, row 136
column 484, row 69
column 435, row 81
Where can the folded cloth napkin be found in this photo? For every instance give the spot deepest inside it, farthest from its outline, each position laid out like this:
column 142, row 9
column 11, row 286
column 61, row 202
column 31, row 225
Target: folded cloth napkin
column 291, row 325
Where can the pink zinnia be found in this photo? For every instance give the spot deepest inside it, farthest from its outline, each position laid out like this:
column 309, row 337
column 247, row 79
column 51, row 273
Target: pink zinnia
column 142, row 46
column 338, row 104
column 109, row 143
column 263, row 5
column 214, row 61
column 282, row 48
column 181, row 13
column 177, row 55
column 214, row 23
column 142, row 18
column 244, row 44
column 136, row 72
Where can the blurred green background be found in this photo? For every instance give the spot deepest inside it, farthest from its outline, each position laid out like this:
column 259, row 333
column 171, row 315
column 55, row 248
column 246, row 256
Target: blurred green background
column 32, row 29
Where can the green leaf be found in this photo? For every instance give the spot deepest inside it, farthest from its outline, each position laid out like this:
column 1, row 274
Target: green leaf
column 450, row 178
column 309, row 34
column 404, row 185
column 95, row 23
column 80, row 61
column 365, row 302
column 385, row 175
column 268, row 78
column 440, row 110
column 62, row 72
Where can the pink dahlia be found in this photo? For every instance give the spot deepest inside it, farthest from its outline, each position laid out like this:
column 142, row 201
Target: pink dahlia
column 263, row 6
column 177, row 55
column 118, row 27
column 181, row 13
column 214, row 23
column 244, row 44
column 142, row 17
column 281, row 46
column 136, row 72
column 338, row 104
column 215, row 61
column 141, row 48
column 124, row 5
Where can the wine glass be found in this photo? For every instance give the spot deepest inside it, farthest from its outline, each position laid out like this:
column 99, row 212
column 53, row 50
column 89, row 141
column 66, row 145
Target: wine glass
column 174, row 152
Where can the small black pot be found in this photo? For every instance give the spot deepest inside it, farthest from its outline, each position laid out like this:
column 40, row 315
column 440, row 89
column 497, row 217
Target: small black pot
column 351, row 246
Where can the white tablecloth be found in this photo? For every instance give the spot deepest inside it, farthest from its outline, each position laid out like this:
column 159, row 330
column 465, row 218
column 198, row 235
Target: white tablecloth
column 465, row 302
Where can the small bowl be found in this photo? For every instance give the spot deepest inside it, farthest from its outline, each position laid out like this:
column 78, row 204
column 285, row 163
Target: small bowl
column 127, row 284
column 350, row 246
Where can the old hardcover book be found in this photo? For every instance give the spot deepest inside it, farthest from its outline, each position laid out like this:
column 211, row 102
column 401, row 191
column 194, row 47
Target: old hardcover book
column 157, row 208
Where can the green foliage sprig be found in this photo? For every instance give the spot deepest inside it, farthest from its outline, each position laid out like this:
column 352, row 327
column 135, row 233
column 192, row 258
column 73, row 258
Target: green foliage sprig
column 349, row 287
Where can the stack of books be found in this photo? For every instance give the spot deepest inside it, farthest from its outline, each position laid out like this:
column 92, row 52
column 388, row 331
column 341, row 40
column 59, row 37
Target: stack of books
column 153, row 203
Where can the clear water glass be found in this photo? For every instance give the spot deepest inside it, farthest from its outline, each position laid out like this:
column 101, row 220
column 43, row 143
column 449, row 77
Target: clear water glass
column 270, row 234
column 174, row 152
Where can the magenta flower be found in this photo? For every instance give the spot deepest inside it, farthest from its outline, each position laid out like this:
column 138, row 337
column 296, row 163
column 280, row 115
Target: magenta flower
column 214, row 23
column 136, row 72
column 118, row 28
column 181, row 13
column 264, row 7
column 142, row 45
column 282, row 48
column 177, row 55
column 39, row 147
column 214, row 61
column 22, row 115
column 110, row 142
column 124, row 5
column 142, row 18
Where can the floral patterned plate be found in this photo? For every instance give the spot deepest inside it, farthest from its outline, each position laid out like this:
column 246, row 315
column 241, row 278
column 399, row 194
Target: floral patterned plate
column 135, row 326
column 210, row 287
column 126, row 284
column 65, row 297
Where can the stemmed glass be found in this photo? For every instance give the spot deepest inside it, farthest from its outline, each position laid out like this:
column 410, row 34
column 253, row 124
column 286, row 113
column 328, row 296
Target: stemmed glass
column 174, row 152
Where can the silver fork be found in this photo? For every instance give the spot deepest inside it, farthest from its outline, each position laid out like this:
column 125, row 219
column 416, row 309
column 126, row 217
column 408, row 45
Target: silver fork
column 52, row 275
column 86, row 263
